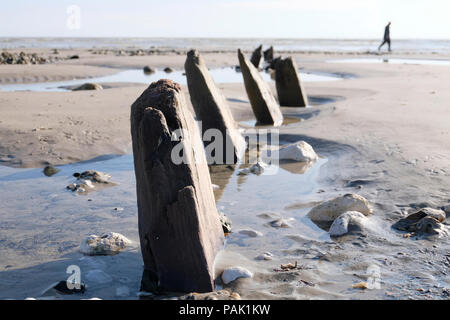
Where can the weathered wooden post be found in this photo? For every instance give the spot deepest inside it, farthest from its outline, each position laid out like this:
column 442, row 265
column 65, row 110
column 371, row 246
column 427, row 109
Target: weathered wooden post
column 268, row 55
column 179, row 228
column 289, row 86
column 264, row 105
column 212, row 110
column 256, row 57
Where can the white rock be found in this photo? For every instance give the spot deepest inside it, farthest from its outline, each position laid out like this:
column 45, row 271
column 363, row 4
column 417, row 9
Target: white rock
column 101, row 177
column 265, row 256
column 341, row 225
column 299, row 151
column 87, row 183
column 107, row 244
column 81, row 189
column 98, row 276
column 233, row 273
column 331, row 209
column 122, row 291
column 215, row 186
column 250, row 233
column 257, row 168
column 72, row 187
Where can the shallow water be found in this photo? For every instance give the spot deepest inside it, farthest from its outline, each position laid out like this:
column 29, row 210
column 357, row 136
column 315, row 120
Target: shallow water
column 395, row 61
column 220, row 75
column 43, row 224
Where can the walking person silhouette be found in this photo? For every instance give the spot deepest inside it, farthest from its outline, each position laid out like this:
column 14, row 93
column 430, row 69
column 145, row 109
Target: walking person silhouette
column 387, row 37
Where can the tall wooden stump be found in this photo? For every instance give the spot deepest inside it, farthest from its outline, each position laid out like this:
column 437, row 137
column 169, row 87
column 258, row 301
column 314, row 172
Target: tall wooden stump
column 268, row 55
column 289, row 87
column 256, row 57
column 212, row 110
column 263, row 102
column 179, row 227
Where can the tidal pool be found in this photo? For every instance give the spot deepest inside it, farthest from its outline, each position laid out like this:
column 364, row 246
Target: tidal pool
column 220, row 75
column 42, row 223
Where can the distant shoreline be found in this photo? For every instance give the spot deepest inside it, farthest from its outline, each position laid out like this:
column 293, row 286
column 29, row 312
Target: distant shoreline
column 217, row 45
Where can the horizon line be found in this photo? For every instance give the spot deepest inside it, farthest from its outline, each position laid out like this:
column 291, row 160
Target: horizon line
column 207, row 37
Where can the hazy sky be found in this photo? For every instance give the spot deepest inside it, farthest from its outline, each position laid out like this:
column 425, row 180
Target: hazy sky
column 228, row 18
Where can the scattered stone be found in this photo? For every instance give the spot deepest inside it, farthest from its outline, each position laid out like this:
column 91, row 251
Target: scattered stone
column 425, row 221
column 50, row 171
column 299, row 151
column 179, row 226
column 21, row 58
column 81, row 187
column 94, row 176
column 360, row 285
column 268, row 55
column 257, row 168
column 62, row 288
column 233, row 273
column 289, row 87
column 263, row 102
column 226, row 223
column 250, row 233
column 212, row 110
column 267, row 256
column 430, row 226
column 289, row 266
column 86, row 180
column 279, row 223
column 256, row 57
column 110, row 243
column 329, row 210
column 168, row 70
column 347, row 222
column 88, row 86
column 149, row 70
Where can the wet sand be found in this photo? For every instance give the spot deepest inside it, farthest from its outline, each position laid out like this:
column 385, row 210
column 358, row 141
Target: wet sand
column 386, row 137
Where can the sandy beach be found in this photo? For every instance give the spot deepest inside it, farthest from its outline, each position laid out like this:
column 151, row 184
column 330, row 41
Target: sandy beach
column 383, row 133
